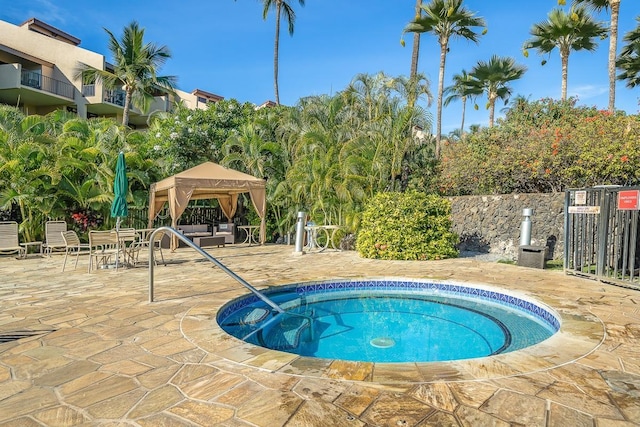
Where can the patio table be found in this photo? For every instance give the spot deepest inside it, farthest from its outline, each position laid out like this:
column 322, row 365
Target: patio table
column 249, row 231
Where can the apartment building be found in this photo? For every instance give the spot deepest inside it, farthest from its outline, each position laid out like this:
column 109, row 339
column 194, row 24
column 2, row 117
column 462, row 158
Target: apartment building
column 37, row 69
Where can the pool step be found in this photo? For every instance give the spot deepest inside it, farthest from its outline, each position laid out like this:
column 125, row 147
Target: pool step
column 286, row 336
column 247, row 316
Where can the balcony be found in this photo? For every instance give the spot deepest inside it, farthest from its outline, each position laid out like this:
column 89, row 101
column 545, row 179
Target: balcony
column 89, row 90
column 115, row 97
column 32, row 88
column 102, row 102
column 47, row 84
column 110, row 103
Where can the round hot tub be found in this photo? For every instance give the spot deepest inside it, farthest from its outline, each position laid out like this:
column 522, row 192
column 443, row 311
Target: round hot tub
column 392, row 320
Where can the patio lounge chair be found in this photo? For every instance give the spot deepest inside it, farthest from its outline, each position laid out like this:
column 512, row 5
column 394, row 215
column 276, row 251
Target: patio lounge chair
column 73, row 246
column 9, row 239
column 53, row 236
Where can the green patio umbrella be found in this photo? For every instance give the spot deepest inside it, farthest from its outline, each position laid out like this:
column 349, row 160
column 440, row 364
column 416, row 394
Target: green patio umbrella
column 120, row 190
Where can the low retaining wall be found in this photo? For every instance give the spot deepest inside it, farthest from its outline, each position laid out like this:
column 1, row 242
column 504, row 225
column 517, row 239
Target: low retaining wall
column 491, row 224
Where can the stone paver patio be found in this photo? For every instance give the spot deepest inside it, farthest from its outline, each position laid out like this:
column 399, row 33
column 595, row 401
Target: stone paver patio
column 94, row 351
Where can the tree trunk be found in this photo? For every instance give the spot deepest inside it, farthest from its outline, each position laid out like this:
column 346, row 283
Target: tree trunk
column 564, row 56
column 275, row 53
column 25, row 217
column 492, row 107
column 416, row 43
column 127, row 106
column 613, row 47
column 415, row 54
column 443, row 57
column 464, row 108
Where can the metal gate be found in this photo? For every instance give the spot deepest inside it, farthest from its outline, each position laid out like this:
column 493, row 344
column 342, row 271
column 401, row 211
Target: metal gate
column 601, row 234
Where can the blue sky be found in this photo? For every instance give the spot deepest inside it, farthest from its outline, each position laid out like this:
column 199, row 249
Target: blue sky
column 225, row 47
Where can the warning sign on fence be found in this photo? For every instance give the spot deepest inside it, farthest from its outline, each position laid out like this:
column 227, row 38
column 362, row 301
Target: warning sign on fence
column 584, row 209
column 628, row 200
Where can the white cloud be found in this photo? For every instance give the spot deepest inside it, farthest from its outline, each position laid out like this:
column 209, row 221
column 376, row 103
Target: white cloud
column 47, row 11
column 588, row 91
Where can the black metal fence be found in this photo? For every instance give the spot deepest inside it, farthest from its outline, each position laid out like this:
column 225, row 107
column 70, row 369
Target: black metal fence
column 138, row 218
column 601, row 234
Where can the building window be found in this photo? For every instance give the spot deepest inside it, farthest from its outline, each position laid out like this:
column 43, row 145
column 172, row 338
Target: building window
column 203, row 100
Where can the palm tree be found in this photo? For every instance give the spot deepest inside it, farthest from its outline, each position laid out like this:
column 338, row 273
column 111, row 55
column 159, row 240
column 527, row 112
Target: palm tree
column 282, row 7
column 493, row 77
column 413, row 88
column 368, row 94
column 248, row 151
column 516, row 104
column 26, row 172
column 629, row 60
column 462, row 88
column 599, row 5
column 445, row 19
column 135, row 69
column 575, row 30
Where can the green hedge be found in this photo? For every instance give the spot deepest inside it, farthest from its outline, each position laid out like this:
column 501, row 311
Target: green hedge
column 407, row 226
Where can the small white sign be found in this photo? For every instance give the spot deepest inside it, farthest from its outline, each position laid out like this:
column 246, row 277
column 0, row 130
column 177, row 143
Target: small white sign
column 584, row 209
column 581, row 197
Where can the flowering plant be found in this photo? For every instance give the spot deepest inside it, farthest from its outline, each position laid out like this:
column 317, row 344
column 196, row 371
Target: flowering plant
column 86, row 218
column 544, row 146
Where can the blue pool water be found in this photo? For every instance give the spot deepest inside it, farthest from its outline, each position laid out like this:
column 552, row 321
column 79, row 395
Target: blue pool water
column 390, row 321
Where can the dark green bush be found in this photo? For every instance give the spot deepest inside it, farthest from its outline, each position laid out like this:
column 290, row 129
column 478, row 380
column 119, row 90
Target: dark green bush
column 407, row 226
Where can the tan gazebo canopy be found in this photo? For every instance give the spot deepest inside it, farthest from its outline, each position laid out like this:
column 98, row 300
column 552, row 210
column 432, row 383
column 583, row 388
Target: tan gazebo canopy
column 207, row 181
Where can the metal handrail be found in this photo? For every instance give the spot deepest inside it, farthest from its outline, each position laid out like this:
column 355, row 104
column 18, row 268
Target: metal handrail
column 205, row 254
column 239, row 279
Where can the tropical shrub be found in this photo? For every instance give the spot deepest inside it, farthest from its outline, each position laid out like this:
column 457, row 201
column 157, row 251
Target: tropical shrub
column 544, row 146
column 188, row 137
column 407, row 226
column 61, row 167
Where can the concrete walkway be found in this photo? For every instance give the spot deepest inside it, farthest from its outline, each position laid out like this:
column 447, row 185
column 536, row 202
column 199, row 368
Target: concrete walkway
column 93, row 351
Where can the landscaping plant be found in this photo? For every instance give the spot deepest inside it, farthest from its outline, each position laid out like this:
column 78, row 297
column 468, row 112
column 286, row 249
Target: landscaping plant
column 407, row 226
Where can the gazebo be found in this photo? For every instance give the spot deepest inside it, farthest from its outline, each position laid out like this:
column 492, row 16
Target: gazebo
column 207, row 181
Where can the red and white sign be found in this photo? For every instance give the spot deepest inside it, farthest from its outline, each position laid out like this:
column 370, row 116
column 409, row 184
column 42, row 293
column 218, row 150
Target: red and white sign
column 628, row 200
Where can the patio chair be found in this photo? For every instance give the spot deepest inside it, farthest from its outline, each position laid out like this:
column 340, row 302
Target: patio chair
column 73, row 246
column 9, row 239
column 143, row 246
column 127, row 237
column 227, row 230
column 53, row 236
column 102, row 246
